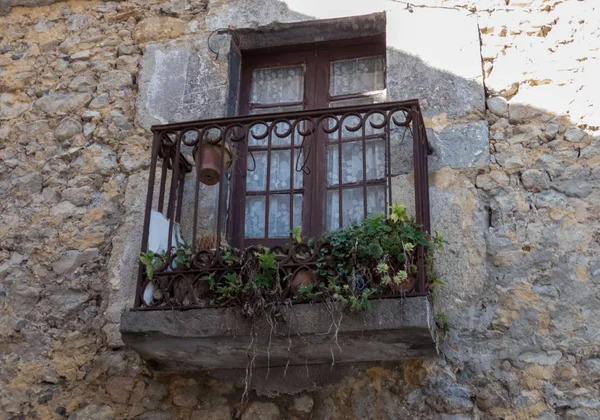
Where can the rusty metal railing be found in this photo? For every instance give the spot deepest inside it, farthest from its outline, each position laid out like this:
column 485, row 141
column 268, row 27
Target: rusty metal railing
column 204, row 164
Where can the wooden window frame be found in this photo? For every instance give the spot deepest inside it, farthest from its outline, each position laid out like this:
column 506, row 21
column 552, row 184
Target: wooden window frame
column 317, row 58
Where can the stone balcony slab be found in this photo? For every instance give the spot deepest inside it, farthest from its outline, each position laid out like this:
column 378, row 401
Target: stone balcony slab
column 304, row 334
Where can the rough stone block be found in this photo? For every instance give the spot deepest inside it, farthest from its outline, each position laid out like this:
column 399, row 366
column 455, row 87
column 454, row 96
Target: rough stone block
column 67, row 128
column 62, row 103
column 11, row 106
column 179, row 81
column 462, row 145
column 498, row 105
column 115, row 80
column 157, row 28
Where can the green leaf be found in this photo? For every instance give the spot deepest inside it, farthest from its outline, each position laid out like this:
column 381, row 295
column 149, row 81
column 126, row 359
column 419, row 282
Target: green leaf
column 398, row 213
column 296, row 234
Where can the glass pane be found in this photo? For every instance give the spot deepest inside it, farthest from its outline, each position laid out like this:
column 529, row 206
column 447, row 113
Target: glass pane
column 298, row 174
column 352, row 202
column 332, row 215
column 353, row 206
column 277, row 85
column 356, row 75
column 375, row 159
column 352, row 167
column 280, row 170
column 256, row 176
column 297, row 210
column 279, row 215
column 376, row 200
column 255, row 217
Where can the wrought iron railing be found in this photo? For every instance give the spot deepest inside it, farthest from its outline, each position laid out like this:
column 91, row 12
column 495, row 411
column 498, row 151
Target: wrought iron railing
column 197, row 182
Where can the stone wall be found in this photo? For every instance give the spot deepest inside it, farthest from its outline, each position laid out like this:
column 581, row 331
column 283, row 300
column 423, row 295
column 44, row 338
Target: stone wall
column 521, row 264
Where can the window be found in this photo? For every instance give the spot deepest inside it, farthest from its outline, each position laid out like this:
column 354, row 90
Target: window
column 282, row 182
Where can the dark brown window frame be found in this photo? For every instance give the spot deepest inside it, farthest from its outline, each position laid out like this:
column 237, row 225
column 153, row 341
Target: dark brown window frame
column 317, row 58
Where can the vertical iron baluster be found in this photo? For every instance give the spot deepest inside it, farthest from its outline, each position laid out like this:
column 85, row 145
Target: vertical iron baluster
column 425, row 180
column 221, row 182
column 174, row 186
column 418, row 174
column 364, row 163
column 268, row 185
column 196, row 196
column 244, row 165
column 163, row 182
column 151, row 179
column 340, row 130
column 292, row 166
column 388, row 161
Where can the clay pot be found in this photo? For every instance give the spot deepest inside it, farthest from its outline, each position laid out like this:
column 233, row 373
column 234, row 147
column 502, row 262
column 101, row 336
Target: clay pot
column 302, row 277
column 406, row 286
column 208, row 158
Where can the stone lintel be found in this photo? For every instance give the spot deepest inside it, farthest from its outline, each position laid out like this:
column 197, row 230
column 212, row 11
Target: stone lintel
column 220, row 338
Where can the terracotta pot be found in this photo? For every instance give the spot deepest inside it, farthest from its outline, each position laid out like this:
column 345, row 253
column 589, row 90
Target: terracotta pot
column 208, row 158
column 302, row 277
column 406, row 286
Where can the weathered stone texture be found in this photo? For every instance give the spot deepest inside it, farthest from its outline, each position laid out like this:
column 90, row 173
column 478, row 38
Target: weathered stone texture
column 81, row 83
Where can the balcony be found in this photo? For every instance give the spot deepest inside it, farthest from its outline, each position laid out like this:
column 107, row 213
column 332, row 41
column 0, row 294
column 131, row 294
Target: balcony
column 201, row 237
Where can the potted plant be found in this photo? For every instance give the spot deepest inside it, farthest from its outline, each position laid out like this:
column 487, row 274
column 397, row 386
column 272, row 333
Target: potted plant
column 208, row 157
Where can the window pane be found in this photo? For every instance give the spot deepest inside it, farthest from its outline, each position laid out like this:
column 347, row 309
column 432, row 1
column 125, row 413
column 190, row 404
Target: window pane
column 280, row 170
column 279, row 215
column 375, row 159
column 277, row 85
column 332, row 218
column 256, row 176
column 352, row 158
column 352, row 168
column 356, row 75
column 297, row 210
column 353, row 205
column 376, row 200
column 255, row 217
column 352, row 202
